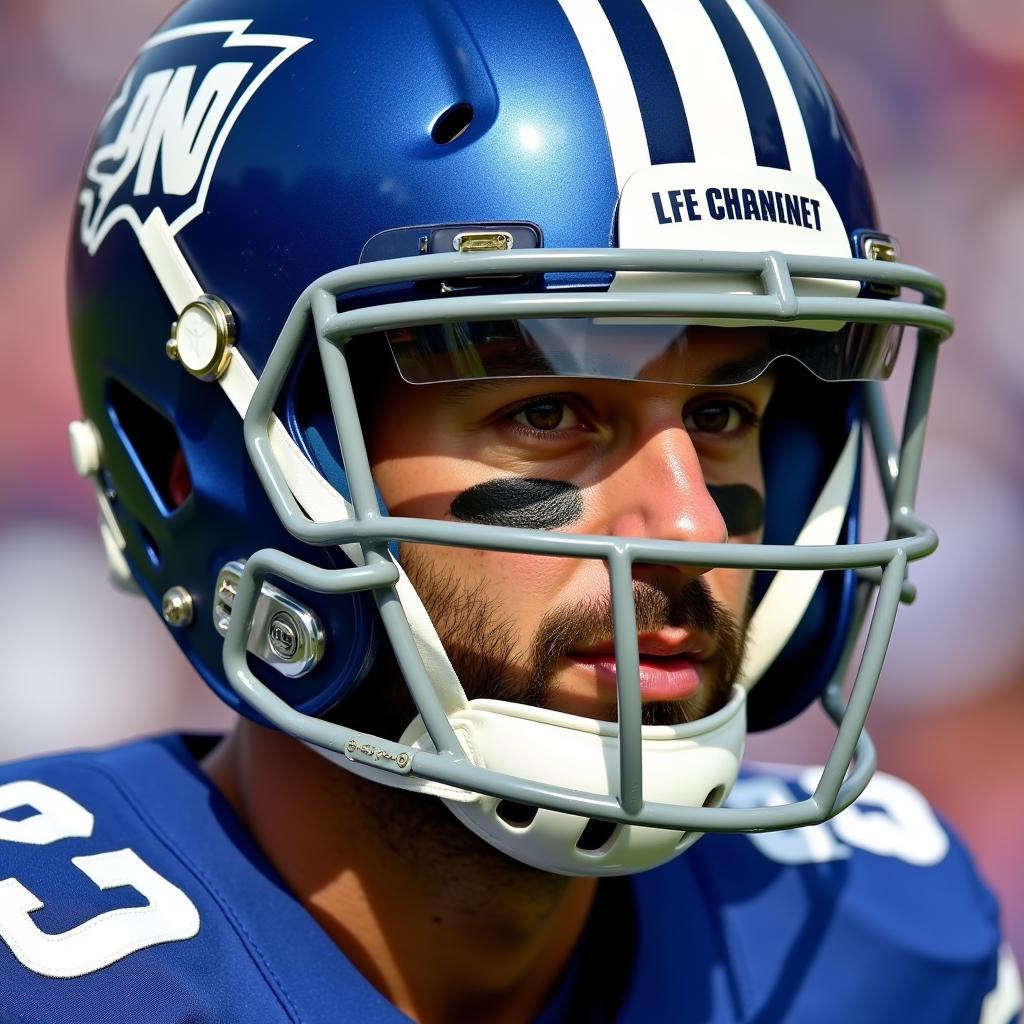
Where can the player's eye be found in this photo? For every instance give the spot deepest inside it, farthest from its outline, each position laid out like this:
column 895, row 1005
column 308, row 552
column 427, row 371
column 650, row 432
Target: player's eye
column 719, row 416
column 546, row 414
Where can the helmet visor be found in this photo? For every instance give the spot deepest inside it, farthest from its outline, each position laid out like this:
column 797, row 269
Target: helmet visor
column 697, row 355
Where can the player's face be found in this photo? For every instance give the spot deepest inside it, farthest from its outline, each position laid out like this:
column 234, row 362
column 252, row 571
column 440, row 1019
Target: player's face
column 628, row 459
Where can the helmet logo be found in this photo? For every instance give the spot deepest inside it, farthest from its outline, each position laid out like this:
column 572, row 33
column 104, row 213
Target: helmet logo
column 160, row 138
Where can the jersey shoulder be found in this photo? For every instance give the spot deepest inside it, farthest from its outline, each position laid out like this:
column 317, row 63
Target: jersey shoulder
column 127, row 884
column 878, row 914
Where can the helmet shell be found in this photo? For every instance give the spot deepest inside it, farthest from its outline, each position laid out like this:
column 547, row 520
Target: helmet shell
column 326, row 123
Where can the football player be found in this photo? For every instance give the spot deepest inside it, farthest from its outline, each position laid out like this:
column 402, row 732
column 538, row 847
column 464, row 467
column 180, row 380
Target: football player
column 478, row 391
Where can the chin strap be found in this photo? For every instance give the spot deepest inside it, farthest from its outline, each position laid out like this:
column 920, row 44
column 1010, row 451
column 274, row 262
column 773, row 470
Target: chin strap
column 788, row 596
column 693, row 764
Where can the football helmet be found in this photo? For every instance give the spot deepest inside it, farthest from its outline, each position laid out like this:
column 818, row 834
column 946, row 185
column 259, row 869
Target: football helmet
column 546, row 188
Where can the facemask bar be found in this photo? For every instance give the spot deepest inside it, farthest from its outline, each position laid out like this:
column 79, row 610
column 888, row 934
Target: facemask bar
column 365, row 537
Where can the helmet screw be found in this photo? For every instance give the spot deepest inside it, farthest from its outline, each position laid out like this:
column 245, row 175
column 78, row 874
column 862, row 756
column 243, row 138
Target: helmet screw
column 177, row 608
column 203, row 337
column 86, row 447
column 283, row 634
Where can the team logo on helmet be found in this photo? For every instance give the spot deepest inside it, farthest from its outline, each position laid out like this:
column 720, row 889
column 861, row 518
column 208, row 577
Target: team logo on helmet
column 158, row 142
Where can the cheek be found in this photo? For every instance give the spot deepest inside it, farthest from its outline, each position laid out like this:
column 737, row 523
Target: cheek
column 527, row 583
column 520, row 589
column 401, row 484
column 743, row 509
column 731, row 588
column 739, row 492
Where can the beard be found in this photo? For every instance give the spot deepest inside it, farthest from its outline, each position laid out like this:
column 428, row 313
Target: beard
column 482, row 646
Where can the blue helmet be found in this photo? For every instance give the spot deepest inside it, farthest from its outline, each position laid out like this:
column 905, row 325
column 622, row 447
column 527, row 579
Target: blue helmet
column 272, row 180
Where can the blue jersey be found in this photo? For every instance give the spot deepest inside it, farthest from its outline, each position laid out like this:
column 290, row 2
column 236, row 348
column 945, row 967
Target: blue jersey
column 129, row 892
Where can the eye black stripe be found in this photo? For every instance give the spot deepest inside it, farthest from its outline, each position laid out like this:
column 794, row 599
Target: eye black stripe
column 529, row 503
column 742, row 507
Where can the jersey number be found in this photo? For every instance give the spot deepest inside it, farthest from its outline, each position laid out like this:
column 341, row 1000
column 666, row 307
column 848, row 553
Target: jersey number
column 890, row 819
column 168, row 916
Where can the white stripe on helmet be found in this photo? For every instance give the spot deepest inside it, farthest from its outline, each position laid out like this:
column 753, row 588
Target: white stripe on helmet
column 707, row 83
column 794, row 131
column 614, row 85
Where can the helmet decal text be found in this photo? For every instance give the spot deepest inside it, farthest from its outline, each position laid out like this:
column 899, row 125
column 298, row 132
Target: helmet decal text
column 160, row 138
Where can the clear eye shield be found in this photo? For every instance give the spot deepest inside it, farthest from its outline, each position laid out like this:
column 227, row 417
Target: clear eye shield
column 697, row 355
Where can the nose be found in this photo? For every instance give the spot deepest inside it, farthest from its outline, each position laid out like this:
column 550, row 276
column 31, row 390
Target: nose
column 658, row 490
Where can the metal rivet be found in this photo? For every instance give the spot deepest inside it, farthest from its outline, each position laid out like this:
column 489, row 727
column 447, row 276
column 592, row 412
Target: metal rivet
column 879, row 249
column 482, row 241
column 203, row 337
column 178, row 608
column 283, row 634
column 86, row 447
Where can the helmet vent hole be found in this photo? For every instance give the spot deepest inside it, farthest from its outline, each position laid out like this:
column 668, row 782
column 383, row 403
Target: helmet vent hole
column 152, row 442
column 150, row 544
column 452, row 123
column 516, row 815
column 715, row 797
column 596, row 835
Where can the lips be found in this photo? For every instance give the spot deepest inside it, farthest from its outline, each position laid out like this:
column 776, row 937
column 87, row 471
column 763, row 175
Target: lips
column 670, row 665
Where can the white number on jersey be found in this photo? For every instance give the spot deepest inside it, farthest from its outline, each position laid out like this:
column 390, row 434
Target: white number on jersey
column 890, row 819
column 57, row 816
column 168, row 916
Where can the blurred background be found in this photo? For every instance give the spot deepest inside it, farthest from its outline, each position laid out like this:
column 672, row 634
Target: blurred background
column 935, row 91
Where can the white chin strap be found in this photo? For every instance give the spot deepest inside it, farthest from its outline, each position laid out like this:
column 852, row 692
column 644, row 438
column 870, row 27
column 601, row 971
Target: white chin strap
column 691, row 765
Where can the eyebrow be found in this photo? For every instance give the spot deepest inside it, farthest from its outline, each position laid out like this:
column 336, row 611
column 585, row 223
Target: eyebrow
column 466, row 388
column 732, row 371
column 519, row 366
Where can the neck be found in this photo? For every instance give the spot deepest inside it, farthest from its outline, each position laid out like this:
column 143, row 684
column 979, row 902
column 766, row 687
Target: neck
column 445, row 927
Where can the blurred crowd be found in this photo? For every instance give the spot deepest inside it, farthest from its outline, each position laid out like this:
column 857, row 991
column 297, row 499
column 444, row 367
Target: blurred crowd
column 935, row 92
